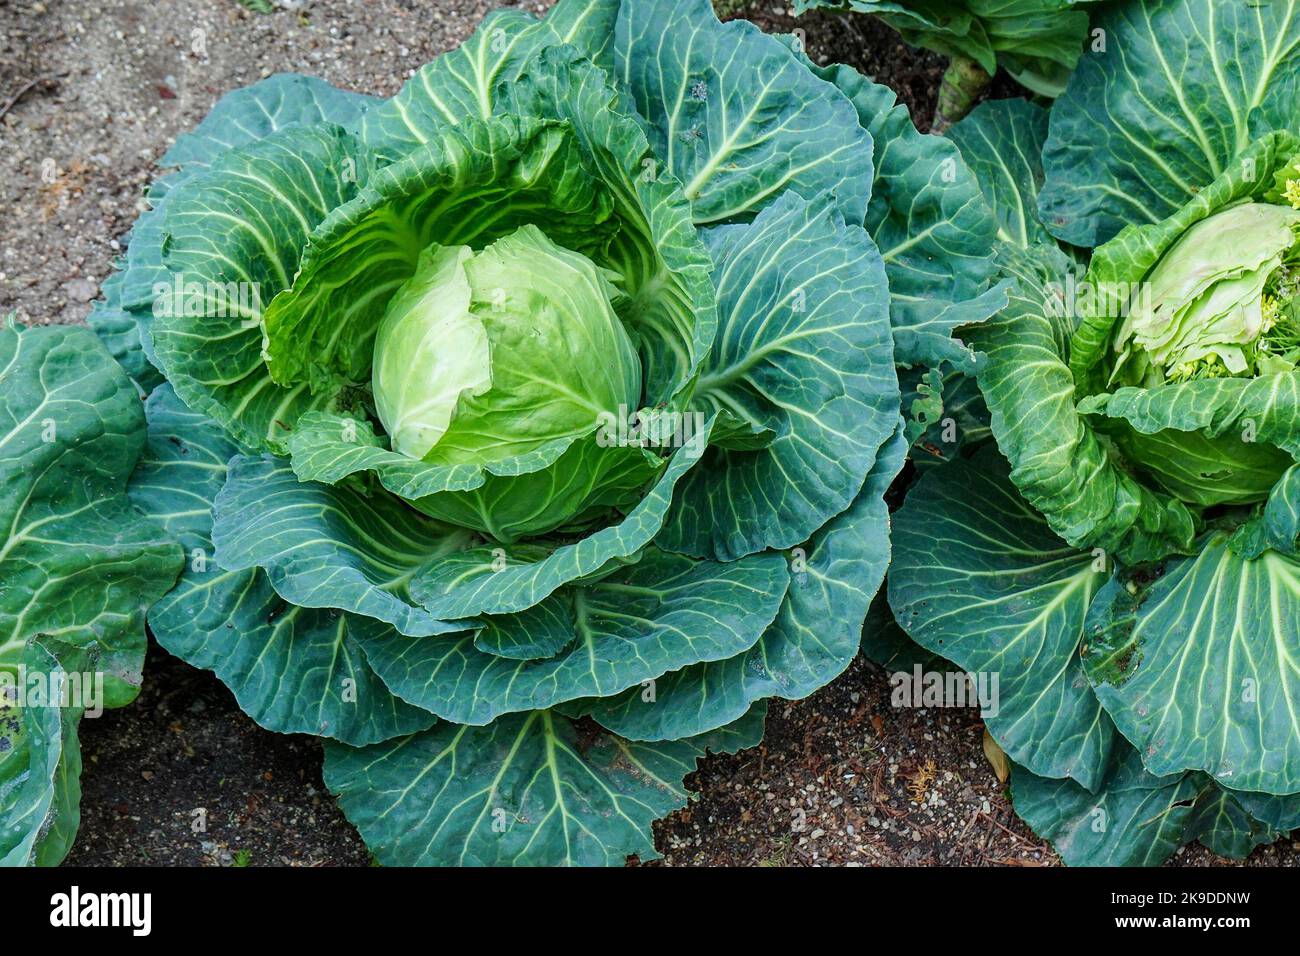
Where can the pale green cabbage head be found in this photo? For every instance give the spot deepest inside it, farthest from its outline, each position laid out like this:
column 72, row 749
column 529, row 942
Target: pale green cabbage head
column 1209, row 306
column 487, row 355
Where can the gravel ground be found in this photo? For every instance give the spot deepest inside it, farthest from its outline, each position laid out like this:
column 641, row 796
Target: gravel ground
column 183, row 777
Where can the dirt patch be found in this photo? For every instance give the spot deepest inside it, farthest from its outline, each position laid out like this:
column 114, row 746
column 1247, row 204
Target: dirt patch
column 845, row 778
column 184, row 777
column 842, row 777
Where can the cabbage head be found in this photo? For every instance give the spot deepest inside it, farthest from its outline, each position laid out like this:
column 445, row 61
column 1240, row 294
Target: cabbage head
column 1217, row 304
column 489, row 355
column 1221, row 303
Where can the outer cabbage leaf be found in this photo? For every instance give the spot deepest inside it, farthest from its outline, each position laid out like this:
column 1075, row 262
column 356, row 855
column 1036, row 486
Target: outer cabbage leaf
column 1222, row 823
column 464, row 83
column 886, row 644
column 735, row 115
column 119, row 330
column 1209, row 440
column 530, row 789
column 803, row 351
column 252, row 113
column 292, row 669
column 1280, row 813
column 947, row 28
column 1134, row 819
column 330, row 547
column 78, row 566
column 814, row 638
column 1277, row 526
column 979, row 578
column 1058, row 462
column 1198, row 662
column 241, row 118
column 143, row 273
column 539, row 633
column 946, row 415
column 1002, row 141
column 267, row 197
column 1038, row 42
column 1181, row 88
column 40, row 765
column 1139, row 819
column 660, row 614
column 932, row 225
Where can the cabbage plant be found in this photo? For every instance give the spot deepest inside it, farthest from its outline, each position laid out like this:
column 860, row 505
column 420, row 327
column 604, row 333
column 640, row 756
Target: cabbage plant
column 1037, row 42
column 1124, row 552
column 79, row 566
column 527, row 431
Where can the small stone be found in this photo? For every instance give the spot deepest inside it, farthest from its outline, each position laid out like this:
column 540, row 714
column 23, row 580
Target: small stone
column 81, row 290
